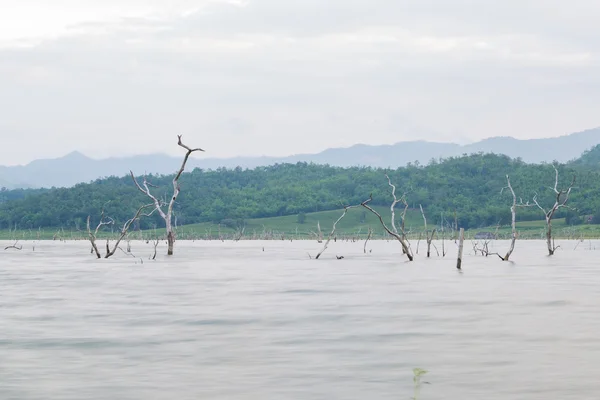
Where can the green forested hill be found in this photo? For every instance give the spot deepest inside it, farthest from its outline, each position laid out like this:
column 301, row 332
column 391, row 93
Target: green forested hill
column 470, row 185
column 590, row 158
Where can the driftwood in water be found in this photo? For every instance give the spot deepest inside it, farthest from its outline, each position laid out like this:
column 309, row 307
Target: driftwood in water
column 15, row 247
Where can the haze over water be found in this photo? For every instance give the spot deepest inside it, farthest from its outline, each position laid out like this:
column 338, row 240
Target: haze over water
column 231, row 321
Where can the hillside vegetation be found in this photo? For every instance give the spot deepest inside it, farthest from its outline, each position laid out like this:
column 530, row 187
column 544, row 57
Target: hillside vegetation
column 469, row 185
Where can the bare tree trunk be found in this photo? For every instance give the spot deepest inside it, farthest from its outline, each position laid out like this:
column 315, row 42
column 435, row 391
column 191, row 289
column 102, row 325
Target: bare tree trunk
column 428, row 237
column 460, row 248
column 397, row 200
column 443, row 237
column 455, row 225
column 366, row 241
column 156, row 241
column 320, row 234
column 167, row 217
column 346, row 208
column 404, row 244
column 513, row 211
column 562, row 197
column 549, row 240
column 92, row 235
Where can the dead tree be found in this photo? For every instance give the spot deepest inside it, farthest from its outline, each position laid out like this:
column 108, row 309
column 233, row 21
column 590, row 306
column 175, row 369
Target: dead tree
column 443, row 236
column 562, row 197
column 367, row 241
column 428, row 236
column 109, row 221
column 155, row 242
column 158, row 204
column 346, row 208
column 513, row 212
column 397, row 200
column 319, row 234
column 403, row 242
column 461, row 239
column 93, row 235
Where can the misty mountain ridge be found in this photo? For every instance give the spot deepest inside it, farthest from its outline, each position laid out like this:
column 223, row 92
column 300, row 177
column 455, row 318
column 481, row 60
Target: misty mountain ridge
column 75, row 167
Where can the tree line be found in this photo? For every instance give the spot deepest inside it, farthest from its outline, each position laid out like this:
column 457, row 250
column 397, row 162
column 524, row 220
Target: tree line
column 468, row 186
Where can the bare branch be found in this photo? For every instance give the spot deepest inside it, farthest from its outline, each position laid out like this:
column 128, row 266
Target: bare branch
column 14, row 246
column 405, row 247
column 126, row 227
column 346, row 208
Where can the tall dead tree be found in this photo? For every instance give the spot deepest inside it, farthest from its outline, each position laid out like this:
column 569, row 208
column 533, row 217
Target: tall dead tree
column 405, row 247
column 159, row 204
column 562, row 197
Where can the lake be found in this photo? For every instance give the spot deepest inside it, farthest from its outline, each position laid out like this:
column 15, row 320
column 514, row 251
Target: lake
column 260, row 320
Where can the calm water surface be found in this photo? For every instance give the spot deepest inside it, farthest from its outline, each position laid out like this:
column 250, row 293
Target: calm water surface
column 231, row 321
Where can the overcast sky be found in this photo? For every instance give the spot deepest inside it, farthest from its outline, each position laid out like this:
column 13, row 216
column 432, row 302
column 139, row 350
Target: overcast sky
column 278, row 77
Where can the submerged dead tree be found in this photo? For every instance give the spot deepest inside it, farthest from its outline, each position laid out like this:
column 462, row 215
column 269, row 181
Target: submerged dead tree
column 104, row 221
column 159, row 204
column 405, row 247
column 397, row 200
column 562, row 197
column 367, row 241
column 346, row 208
column 428, row 235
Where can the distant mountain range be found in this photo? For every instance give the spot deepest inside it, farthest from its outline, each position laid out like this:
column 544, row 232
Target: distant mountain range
column 76, row 167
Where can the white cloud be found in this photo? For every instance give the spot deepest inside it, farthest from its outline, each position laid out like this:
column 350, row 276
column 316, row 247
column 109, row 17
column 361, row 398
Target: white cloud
column 281, row 77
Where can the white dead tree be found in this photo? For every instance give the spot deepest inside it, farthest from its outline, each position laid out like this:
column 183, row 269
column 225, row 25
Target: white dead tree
column 346, row 208
column 397, row 200
column 428, row 235
column 367, row 241
column 443, row 235
column 319, row 234
column 562, row 197
column 405, row 247
column 104, row 221
column 159, row 204
column 513, row 212
column 93, row 235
